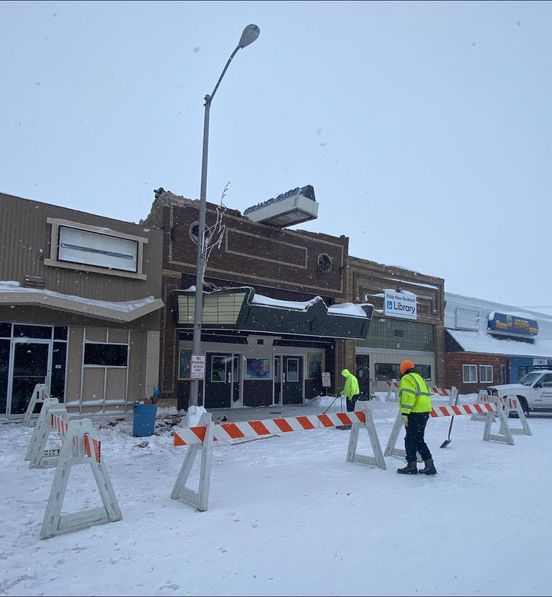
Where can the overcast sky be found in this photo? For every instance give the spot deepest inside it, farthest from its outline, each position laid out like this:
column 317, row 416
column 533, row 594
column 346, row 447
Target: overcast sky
column 425, row 128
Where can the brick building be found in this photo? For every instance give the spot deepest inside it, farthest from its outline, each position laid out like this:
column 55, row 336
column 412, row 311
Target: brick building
column 271, row 320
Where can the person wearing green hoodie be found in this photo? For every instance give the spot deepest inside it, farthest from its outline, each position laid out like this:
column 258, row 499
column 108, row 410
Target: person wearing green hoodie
column 350, row 389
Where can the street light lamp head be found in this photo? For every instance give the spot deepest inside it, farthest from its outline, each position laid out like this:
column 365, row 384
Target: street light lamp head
column 249, row 35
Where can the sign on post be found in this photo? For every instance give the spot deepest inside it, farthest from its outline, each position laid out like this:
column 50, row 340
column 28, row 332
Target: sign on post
column 197, row 368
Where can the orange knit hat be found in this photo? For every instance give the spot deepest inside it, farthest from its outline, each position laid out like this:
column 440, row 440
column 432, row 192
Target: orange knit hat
column 406, row 365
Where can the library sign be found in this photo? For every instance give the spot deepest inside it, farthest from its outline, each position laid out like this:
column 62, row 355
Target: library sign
column 400, row 304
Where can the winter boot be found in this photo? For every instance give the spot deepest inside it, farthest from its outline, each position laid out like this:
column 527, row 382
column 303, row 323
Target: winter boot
column 409, row 469
column 429, row 468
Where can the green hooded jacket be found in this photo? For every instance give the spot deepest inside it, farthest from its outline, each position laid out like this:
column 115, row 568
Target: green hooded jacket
column 351, row 384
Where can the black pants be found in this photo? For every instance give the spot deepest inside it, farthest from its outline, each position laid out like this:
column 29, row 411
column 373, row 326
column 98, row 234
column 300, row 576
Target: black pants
column 350, row 402
column 414, row 438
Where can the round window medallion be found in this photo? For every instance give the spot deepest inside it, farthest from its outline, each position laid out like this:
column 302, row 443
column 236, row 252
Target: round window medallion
column 325, row 263
column 194, row 233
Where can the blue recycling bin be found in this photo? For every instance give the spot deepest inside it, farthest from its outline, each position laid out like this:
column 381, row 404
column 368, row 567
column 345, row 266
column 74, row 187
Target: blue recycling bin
column 144, row 419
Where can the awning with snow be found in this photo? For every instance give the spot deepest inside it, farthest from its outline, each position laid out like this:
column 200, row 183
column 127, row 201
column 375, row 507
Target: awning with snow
column 12, row 294
column 241, row 309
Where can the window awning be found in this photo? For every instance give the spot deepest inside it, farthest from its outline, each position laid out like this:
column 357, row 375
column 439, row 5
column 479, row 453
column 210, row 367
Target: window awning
column 12, row 294
column 244, row 310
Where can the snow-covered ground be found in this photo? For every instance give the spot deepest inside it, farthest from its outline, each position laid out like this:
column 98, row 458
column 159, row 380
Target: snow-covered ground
column 289, row 516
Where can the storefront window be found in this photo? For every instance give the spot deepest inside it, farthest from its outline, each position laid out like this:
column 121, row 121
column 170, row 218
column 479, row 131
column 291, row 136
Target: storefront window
column 314, row 365
column 387, row 371
column 184, row 364
column 105, row 355
column 469, row 373
column 486, row 373
column 424, row 371
column 257, row 368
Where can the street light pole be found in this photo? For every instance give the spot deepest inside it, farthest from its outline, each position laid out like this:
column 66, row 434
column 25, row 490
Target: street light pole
column 249, row 35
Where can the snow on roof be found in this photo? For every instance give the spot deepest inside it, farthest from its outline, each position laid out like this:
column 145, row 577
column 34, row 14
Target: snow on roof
column 260, row 299
column 8, row 286
column 480, row 341
column 349, row 309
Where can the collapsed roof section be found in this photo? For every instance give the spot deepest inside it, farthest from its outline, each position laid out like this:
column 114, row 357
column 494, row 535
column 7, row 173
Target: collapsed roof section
column 241, row 309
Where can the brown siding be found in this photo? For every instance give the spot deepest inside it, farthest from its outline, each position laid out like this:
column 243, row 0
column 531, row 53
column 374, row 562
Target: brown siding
column 25, row 237
column 455, row 360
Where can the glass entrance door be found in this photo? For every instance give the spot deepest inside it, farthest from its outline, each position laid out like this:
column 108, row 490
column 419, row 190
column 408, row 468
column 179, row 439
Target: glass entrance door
column 31, row 365
column 222, row 380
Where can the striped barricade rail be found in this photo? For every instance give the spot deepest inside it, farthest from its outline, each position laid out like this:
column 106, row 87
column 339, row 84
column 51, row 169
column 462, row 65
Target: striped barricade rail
column 229, row 432
column 393, row 387
column 488, row 411
column 79, row 447
column 201, row 438
column 463, row 409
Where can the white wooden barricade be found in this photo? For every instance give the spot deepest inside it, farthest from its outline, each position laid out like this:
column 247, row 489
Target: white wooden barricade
column 39, row 395
column 79, row 447
column 511, row 403
column 393, row 392
column 482, row 397
column 488, row 409
column 200, row 440
column 38, row 456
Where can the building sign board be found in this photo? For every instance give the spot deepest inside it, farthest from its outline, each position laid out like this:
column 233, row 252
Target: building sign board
column 512, row 325
column 197, row 366
column 400, row 304
column 326, row 382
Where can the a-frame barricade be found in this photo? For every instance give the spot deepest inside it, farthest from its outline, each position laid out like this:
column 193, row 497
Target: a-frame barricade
column 504, row 434
column 39, row 395
column 79, row 447
column 199, row 440
column 352, row 455
column 390, row 448
column 198, row 498
column 37, row 455
column 511, row 403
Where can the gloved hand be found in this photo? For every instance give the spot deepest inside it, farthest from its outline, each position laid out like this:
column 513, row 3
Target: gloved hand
column 405, row 420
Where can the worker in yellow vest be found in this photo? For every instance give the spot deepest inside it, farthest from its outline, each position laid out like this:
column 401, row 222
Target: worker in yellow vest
column 350, row 390
column 415, row 405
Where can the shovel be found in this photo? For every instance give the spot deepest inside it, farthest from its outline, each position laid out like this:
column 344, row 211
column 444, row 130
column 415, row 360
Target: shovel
column 448, row 440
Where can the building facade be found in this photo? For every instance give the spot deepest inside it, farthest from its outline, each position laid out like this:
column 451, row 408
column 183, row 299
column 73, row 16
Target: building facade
column 491, row 343
column 80, row 307
column 272, row 323
column 407, row 323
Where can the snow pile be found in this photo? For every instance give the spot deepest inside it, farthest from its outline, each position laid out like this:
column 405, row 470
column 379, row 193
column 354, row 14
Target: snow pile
column 289, row 516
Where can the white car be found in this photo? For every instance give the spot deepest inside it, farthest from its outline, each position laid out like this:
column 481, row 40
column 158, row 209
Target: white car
column 534, row 391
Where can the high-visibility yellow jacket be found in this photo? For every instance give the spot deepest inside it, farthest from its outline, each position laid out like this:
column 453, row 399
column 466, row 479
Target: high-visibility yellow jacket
column 414, row 395
column 351, row 384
